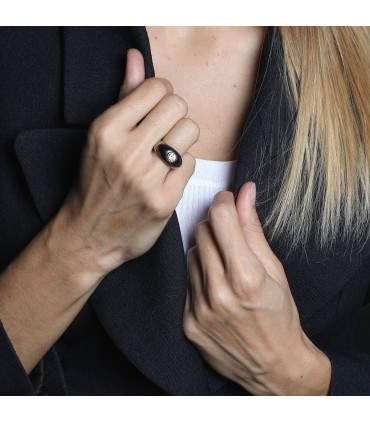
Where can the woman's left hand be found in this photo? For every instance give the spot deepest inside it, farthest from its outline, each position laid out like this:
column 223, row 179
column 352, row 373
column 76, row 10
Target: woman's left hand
column 240, row 312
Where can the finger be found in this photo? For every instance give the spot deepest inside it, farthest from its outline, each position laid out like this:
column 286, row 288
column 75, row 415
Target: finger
column 161, row 119
column 176, row 179
column 213, row 269
column 183, row 135
column 132, row 109
column 225, row 224
column 252, row 229
column 134, row 74
column 209, row 254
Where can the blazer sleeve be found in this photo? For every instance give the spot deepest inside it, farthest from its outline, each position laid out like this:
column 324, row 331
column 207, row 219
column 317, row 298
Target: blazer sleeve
column 13, row 378
column 350, row 372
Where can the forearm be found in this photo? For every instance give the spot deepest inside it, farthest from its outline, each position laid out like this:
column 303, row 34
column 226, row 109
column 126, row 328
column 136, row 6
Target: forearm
column 41, row 292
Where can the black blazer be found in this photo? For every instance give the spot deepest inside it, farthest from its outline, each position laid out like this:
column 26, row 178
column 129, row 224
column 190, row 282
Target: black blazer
column 128, row 338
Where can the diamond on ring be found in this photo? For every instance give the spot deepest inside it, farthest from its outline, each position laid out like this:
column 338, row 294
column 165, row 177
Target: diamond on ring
column 168, row 154
column 171, row 157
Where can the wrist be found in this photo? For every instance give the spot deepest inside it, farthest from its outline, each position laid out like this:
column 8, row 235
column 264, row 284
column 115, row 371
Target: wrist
column 65, row 252
column 41, row 292
column 312, row 374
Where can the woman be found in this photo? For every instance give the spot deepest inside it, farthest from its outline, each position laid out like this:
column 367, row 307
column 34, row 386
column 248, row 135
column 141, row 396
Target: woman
column 95, row 296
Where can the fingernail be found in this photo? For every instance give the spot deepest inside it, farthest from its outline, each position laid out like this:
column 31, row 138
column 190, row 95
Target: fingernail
column 252, row 194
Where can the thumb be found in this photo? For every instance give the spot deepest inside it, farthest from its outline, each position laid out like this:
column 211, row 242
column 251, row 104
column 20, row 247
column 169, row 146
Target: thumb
column 134, row 74
column 252, row 228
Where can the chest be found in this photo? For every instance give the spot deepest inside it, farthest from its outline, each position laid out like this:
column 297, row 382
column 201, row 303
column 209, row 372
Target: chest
column 217, row 80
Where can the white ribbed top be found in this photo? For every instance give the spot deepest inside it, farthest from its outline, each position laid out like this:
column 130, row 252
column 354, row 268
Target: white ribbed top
column 209, row 178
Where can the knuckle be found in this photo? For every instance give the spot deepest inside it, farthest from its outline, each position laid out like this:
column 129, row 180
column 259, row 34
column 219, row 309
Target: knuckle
column 220, row 211
column 260, row 272
column 100, row 133
column 246, row 280
column 191, row 128
column 156, row 208
column 196, row 129
column 222, row 301
column 240, row 278
column 190, row 327
column 179, row 104
column 161, row 86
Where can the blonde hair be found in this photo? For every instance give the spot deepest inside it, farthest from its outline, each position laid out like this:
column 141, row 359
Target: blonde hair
column 328, row 169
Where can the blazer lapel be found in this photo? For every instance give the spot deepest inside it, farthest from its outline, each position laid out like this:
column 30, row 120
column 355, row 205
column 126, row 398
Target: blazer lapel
column 94, row 64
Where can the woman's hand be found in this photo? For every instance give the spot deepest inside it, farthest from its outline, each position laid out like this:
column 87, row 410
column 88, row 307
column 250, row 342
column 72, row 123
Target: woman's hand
column 240, row 313
column 126, row 194
column 116, row 211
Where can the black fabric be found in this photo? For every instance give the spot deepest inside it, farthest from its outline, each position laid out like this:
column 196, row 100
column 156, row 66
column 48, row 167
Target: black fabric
column 13, row 380
column 128, row 339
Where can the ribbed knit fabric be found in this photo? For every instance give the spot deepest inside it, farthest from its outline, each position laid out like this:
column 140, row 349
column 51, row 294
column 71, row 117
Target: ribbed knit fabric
column 209, row 178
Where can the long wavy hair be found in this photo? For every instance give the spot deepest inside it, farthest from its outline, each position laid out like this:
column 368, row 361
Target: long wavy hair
column 327, row 76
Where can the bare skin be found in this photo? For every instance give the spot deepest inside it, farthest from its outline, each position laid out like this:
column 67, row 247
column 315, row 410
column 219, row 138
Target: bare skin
column 221, row 63
column 116, row 212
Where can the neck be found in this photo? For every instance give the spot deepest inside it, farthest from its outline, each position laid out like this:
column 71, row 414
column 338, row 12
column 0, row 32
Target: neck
column 204, row 36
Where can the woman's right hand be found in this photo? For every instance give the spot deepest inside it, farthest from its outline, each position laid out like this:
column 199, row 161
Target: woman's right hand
column 115, row 211
column 125, row 193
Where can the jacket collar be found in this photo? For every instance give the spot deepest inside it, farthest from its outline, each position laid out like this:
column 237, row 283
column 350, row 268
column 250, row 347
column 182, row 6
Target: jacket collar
column 140, row 304
column 94, row 67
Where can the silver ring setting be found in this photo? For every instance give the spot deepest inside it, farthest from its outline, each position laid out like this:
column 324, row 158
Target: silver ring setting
column 168, row 154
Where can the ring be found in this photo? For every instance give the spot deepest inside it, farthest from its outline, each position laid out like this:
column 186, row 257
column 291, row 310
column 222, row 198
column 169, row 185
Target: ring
column 168, row 154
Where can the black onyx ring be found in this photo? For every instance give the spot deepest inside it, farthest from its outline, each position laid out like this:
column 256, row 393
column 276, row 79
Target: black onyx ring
column 168, row 154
